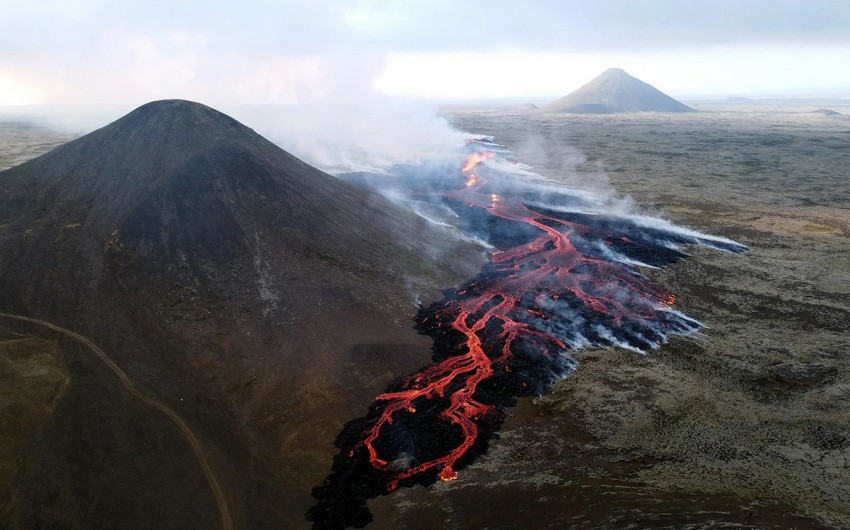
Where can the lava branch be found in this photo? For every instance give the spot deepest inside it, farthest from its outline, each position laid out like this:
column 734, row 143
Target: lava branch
column 471, row 367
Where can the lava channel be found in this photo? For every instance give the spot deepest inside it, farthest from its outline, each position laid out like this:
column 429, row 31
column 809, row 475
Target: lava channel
column 507, row 333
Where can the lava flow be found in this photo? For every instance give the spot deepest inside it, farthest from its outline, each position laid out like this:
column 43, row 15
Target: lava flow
column 563, row 280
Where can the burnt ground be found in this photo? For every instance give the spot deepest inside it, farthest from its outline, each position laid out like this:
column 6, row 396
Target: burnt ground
column 743, row 425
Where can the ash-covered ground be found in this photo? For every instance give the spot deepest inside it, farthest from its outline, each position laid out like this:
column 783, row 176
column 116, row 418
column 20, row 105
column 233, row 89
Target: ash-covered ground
column 743, row 425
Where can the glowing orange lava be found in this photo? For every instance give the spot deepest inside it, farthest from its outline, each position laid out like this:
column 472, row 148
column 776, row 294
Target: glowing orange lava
column 550, row 258
column 564, row 279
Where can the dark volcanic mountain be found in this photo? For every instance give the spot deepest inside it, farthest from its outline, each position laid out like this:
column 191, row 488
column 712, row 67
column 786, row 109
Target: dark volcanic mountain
column 262, row 300
column 616, row 91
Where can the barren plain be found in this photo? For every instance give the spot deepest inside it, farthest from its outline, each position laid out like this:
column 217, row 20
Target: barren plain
column 744, row 425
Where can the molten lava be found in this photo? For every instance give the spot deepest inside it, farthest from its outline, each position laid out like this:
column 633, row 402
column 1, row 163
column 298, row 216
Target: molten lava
column 564, row 280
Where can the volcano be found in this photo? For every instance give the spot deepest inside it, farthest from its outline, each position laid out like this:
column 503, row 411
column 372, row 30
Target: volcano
column 616, row 91
column 242, row 300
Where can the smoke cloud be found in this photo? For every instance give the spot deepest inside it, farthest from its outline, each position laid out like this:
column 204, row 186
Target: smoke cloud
column 370, row 134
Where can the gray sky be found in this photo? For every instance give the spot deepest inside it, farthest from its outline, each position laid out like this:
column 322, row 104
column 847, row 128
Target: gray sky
column 286, row 51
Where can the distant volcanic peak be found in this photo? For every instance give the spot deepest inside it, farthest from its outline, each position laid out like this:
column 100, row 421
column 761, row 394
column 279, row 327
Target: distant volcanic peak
column 616, row 91
column 615, row 73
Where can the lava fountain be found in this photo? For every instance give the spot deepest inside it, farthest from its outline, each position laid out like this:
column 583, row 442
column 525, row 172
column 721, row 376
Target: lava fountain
column 564, row 278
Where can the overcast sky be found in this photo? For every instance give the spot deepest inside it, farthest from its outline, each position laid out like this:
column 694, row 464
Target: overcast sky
column 288, row 51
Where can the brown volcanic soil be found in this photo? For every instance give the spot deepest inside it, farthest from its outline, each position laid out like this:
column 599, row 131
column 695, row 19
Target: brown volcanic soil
column 262, row 300
column 744, row 425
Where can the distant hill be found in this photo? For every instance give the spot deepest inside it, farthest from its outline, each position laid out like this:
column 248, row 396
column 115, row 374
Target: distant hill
column 827, row 112
column 616, row 91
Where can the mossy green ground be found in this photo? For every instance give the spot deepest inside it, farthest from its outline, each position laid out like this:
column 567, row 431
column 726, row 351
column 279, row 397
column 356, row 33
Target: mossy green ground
column 32, row 377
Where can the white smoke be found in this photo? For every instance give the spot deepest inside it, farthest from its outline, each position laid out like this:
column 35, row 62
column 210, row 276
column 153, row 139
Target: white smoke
column 716, row 242
column 571, row 165
column 370, row 134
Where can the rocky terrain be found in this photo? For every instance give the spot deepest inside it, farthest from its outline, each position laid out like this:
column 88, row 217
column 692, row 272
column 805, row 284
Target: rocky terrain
column 743, row 425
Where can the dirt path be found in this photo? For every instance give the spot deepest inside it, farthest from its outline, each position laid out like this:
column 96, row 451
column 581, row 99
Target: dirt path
column 218, row 492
